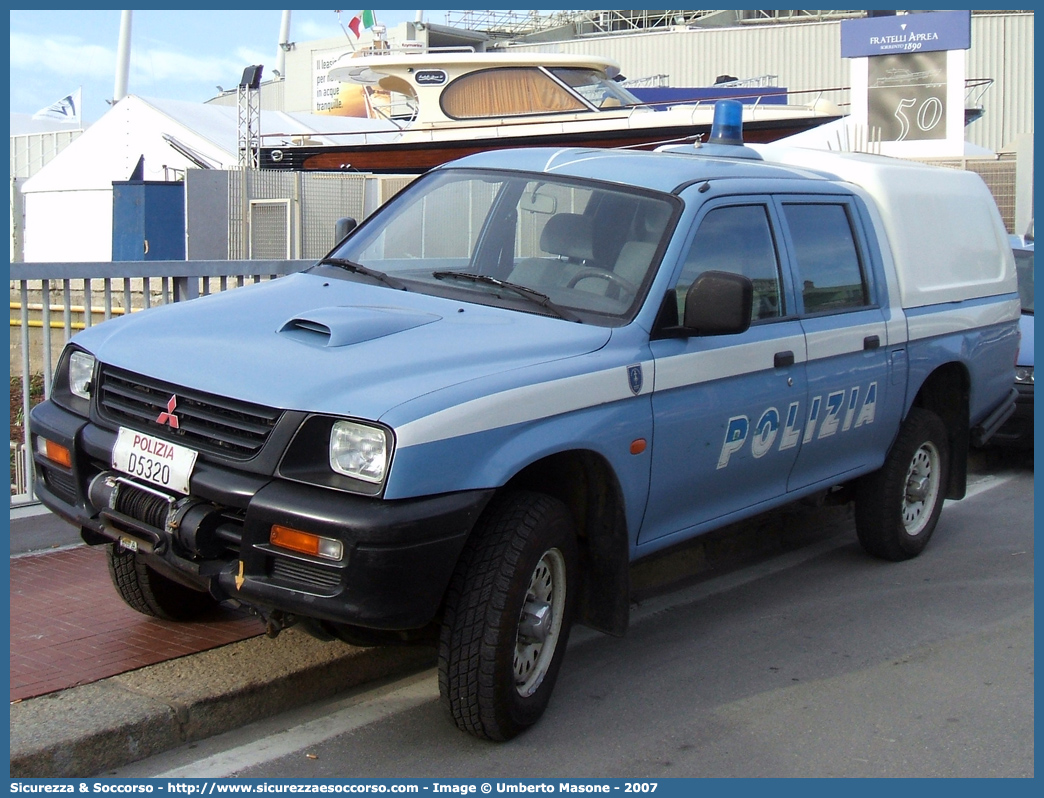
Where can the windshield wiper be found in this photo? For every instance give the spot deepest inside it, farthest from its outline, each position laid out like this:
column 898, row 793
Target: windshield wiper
column 529, row 294
column 365, row 271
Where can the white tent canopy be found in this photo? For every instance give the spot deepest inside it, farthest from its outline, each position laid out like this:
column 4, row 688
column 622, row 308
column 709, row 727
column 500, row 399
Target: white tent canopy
column 161, row 132
column 68, row 203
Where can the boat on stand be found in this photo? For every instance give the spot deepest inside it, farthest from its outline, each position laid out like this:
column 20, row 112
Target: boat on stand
column 444, row 105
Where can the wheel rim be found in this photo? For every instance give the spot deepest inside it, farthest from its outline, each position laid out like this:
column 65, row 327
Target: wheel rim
column 540, row 622
column 922, row 489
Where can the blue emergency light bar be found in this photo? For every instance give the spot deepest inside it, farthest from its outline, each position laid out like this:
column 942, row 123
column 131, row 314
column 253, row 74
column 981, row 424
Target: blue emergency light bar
column 726, row 136
column 727, row 126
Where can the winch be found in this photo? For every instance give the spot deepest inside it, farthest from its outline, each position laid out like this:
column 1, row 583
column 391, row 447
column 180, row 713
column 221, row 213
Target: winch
column 143, row 518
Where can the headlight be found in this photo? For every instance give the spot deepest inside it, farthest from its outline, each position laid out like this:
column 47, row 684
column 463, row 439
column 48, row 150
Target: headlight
column 359, row 451
column 73, row 381
column 81, row 372
column 1024, row 375
column 353, row 456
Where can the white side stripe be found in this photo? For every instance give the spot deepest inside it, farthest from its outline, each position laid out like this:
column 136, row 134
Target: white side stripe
column 548, row 399
column 526, row 403
column 842, row 340
column 694, row 368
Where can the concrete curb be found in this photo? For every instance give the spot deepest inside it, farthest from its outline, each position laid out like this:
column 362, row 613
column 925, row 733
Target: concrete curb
column 86, row 730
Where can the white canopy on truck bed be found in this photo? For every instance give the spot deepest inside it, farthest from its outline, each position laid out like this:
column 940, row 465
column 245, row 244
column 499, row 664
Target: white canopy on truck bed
column 946, row 233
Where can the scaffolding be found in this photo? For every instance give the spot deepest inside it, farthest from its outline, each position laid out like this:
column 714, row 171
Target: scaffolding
column 249, row 118
column 507, row 24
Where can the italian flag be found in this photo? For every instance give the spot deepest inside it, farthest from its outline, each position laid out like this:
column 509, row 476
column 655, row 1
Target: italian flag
column 364, row 19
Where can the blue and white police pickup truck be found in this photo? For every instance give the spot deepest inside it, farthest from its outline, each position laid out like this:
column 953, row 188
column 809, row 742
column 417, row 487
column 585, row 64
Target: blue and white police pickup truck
column 528, row 370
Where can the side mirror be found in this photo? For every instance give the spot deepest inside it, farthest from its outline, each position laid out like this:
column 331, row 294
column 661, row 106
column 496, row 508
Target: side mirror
column 343, row 228
column 719, row 303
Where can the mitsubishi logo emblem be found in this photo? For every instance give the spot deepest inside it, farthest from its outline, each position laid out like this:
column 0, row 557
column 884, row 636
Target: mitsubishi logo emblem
column 168, row 417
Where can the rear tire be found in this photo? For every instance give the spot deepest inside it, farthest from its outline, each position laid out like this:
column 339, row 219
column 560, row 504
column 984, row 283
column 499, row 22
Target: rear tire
column 508, row 614
column 151, row 593
column 898, row 506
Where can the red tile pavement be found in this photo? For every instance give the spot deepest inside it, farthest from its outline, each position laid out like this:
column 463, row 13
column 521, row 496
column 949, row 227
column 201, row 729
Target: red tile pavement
column 69, row 627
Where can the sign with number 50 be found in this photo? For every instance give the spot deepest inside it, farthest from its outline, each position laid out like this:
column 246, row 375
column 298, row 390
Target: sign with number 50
column 907, row 96
column 908, row 76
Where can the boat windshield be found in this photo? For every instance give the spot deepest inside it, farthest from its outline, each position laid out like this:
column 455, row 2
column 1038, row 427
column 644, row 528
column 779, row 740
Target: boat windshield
column 595, row 87
column 571, row 249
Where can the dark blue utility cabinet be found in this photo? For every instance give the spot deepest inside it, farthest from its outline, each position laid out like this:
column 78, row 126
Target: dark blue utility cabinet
column 148, row 220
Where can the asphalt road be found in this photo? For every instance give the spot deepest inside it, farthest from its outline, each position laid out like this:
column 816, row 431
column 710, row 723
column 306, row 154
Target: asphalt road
column 820, row 661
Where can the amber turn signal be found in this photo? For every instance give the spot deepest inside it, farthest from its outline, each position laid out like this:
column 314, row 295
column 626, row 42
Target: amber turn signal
column 306, row 543
column 54, row 452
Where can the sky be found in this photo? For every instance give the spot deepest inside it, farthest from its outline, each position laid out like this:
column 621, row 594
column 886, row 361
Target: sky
column 176, row 55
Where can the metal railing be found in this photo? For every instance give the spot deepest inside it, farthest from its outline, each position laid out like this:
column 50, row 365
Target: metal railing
column 50, row 302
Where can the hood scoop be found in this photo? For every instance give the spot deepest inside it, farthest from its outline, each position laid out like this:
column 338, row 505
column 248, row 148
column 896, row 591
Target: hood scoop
column 347, row 325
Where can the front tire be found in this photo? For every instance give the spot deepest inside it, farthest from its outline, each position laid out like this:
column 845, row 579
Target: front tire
column 508, row 614
column 898, row 506
column 150, row 592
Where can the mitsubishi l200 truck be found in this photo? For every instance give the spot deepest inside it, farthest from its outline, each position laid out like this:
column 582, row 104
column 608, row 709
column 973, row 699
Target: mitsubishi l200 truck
column 528, row 370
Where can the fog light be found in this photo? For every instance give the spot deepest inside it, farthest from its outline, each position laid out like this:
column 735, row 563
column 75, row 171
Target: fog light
column 306, row 543
column 53, row 451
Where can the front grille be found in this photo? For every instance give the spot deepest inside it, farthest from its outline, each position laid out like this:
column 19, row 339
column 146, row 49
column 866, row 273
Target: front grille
column 208, row 423
column 297, row 573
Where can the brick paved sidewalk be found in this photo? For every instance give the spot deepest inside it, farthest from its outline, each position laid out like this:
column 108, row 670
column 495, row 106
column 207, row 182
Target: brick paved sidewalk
column 69, row 627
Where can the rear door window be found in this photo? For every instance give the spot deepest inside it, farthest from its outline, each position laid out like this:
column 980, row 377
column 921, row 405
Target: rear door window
column 830, row 274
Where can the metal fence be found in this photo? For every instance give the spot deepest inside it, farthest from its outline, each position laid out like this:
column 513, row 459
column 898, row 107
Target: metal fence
column 1000, row 174
column 274, row 214
column 50, row 302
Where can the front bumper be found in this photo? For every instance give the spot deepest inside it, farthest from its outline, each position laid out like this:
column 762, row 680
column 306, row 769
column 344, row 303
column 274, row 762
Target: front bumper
column 398, row 555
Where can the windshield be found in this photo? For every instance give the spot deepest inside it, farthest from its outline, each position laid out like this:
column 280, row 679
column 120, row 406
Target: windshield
column 572, row 249
column 1024, row 270
column 595, row 87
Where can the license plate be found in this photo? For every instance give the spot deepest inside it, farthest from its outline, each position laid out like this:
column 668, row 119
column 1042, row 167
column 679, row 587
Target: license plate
column 165, row 464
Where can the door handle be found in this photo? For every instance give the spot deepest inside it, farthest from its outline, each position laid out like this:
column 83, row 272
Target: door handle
column 871, row 342
column 783, row 359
